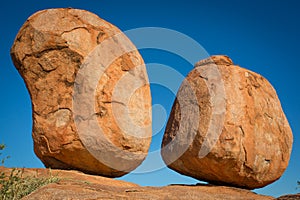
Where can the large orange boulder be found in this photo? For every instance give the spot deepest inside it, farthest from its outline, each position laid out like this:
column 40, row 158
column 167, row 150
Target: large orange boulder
column 227, row 127
column 90, row 93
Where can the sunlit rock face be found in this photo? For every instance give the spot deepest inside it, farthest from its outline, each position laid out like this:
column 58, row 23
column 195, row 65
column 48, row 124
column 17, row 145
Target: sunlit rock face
column 89, row 89
column 227, row 127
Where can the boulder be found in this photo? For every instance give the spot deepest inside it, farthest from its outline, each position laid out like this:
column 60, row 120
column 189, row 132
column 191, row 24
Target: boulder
column 227, row 127
column 91, row 103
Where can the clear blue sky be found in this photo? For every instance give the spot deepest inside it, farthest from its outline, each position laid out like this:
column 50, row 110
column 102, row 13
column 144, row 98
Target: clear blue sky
column 262, row 36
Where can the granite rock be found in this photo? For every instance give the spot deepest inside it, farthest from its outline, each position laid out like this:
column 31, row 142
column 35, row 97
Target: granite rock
column 227, row 127
column 89, row 89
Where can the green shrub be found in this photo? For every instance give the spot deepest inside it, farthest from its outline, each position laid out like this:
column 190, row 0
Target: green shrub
column 2, row 146
column 15, row 186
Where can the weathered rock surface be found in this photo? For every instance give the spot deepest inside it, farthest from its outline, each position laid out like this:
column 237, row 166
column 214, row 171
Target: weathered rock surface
column 89, row 90
column 290, row 197
column 79, row 186
column 227, row 127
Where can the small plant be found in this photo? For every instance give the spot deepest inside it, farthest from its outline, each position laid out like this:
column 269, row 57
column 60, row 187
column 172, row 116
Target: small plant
column 15, row 186
column 2, row 147
column 2, row 174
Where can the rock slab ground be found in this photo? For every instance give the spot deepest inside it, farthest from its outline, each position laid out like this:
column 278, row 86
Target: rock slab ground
column 78, row 186
column 227, row 127
column 290, row 197
column 90, row 93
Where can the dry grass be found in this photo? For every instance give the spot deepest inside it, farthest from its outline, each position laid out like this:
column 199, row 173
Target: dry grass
column 15, row 186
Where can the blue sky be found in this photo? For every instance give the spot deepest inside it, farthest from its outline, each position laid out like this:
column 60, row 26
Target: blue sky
column 262, row 36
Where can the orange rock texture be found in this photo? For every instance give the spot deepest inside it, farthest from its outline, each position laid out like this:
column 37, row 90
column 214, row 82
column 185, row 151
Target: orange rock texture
column 227, row 127
column 78, row 125
column 78, row 186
